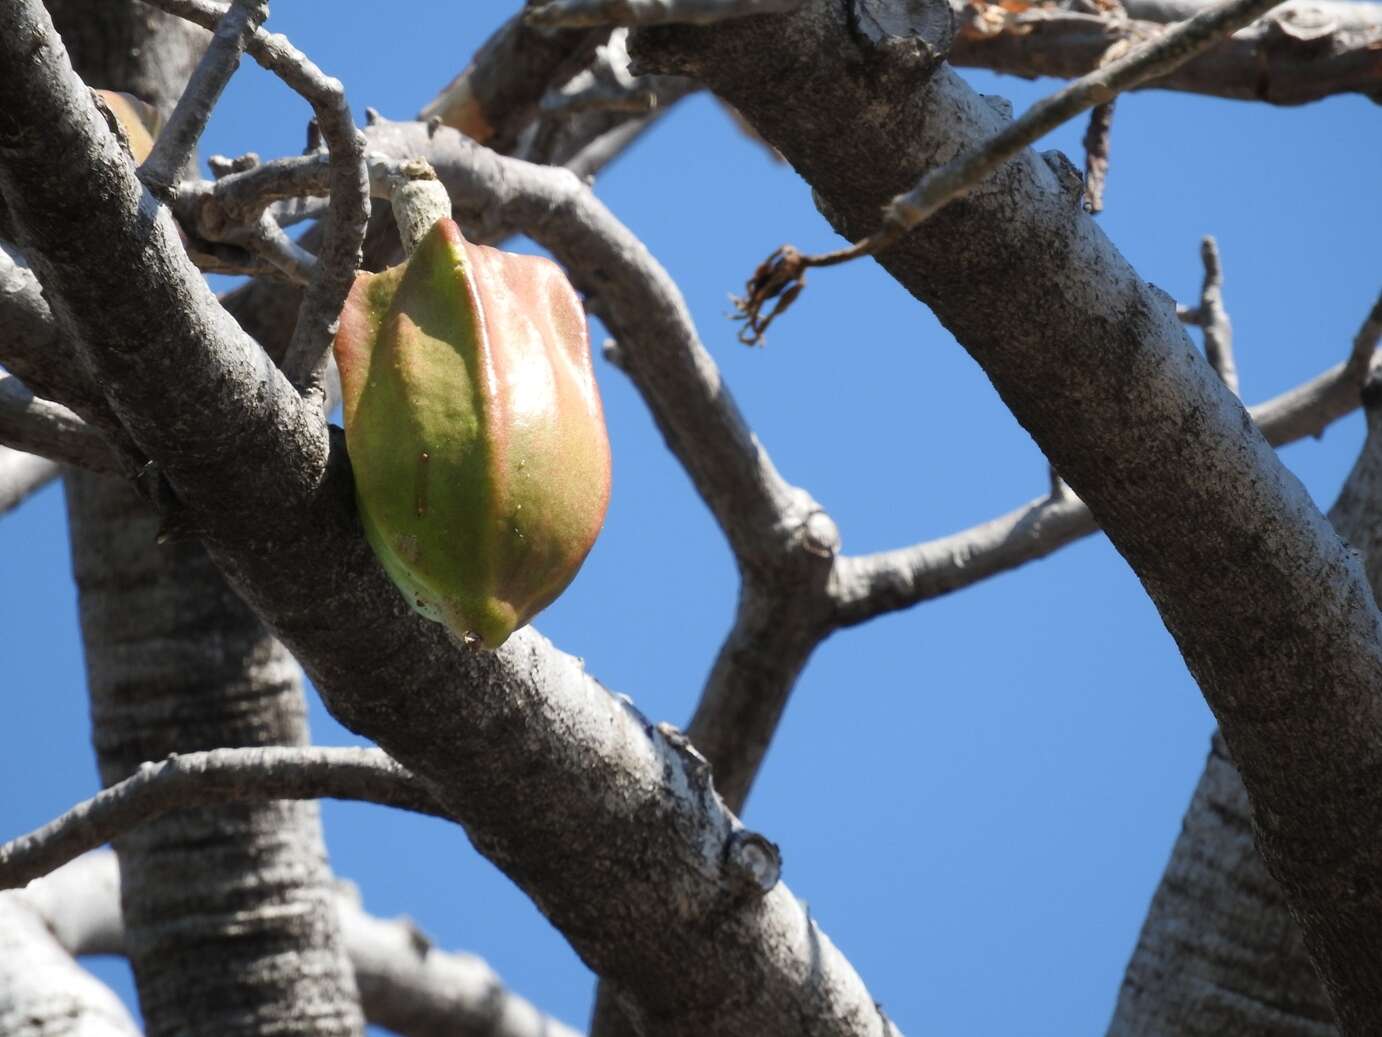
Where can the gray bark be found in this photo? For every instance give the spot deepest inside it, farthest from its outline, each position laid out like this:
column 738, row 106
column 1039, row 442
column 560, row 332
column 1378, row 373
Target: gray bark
column 406, row 984
column 615, row 832
column 610, row 824
column 43, row 992
column 228, row 912
column 1298, row 53
column 1219, row 952
column 1271, row 612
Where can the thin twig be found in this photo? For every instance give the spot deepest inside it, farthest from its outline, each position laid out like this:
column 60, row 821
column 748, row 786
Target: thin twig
column 1211, row 317
column 1096, row 155
column 339, row 257
column 1214, row 322
column 176, row 146
column 781, row 275
column 571, row 14
column 207, row 778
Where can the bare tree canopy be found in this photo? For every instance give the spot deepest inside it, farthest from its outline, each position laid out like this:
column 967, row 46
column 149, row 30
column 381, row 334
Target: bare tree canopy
column 1122, row 322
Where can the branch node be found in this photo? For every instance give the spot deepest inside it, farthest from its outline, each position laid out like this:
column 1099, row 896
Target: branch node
column 753, row 863
column 819, row 535
column 222, row 165
column 676, row 738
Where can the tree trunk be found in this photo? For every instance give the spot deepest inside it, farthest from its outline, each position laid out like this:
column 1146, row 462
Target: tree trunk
column 230, row 922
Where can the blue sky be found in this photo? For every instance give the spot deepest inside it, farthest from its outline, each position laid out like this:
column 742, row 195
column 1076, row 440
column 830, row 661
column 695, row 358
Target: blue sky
column 976, row 797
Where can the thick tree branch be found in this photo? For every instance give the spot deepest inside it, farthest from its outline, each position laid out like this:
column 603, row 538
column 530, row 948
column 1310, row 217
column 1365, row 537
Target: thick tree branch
column 777, row 626
column 498, row 93
column 610, row 825
column 781, row 274
column 1271, row 612
column 780, row 278
column 43, row 992
column 1303, row 51
column 1219, row 952
column 570, row 14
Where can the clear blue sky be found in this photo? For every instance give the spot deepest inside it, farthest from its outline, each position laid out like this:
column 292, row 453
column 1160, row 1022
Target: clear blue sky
column 976, row 797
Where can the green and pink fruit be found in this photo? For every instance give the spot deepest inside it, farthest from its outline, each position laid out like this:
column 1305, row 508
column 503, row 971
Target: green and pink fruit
column 475, row 431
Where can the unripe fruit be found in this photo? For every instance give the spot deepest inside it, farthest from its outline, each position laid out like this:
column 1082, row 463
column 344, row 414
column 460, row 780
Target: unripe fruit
column 475, row 431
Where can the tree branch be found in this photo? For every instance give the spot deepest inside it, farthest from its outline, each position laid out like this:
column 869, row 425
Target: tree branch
column 339, row 256
column 43, row 991
column 205, row 778
column 21, row 476
column 570, row 14
column 865, row 586
column 33, row 348
column 1271, row 612
column 1211, row 317
column 759, row 512
column 1096, row 155
column 1303, row 51
column 176, row 145
column 1219, row 951
column 780, row 276
column 407, row 985
column 50, row 430
column 611, row 825
column 497, row 94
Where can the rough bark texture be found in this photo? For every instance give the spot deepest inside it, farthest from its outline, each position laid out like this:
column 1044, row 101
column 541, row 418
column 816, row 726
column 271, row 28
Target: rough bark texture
column 228, row 911
column 407, row 984
column 610, row 824
column 1271, row 612
column 43, row 992
column 1299, row 53
column 1219, row 952
column 231, row 927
